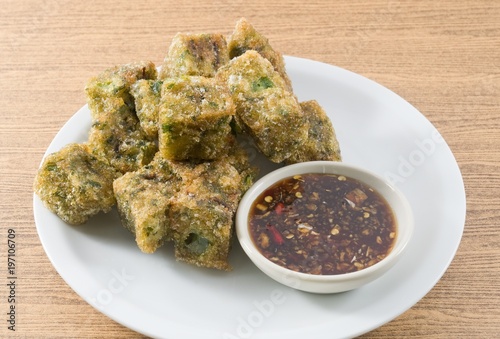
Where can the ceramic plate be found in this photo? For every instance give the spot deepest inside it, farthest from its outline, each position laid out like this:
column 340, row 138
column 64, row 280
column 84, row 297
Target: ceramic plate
column 159, row 297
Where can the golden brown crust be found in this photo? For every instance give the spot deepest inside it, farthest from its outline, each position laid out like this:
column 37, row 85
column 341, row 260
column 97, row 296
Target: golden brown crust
column 116, row 136
column 116, row 133
column 265, row 110
column 191, row 203
column 194, row 119
column 116, row 82
column 195, row 55
column 75, row 184
column 143, row 199
column 245, row 38
column 204, row 230
column 322, row 143
column 147, row 94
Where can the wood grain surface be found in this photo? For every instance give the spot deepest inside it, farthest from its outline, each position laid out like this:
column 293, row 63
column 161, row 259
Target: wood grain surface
column 441, row 56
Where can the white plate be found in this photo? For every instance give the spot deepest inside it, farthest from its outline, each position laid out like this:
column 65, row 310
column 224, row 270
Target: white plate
column 155, row 295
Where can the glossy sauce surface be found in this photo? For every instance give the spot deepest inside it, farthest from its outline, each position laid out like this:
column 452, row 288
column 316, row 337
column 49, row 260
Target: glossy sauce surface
column 322, row 224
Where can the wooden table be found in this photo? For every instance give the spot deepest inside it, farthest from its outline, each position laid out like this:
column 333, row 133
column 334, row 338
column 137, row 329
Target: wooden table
column 441, row 56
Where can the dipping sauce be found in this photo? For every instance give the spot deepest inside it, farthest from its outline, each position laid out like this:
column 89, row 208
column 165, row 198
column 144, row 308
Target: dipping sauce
column 323, row 224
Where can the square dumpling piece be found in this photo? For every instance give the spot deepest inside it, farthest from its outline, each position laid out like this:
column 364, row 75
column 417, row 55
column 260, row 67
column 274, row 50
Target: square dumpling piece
column 195, row 54
column 322, row 143
column 194, row 119
column 203, row 232
column 265, row 109
column 75, row 184
column 115, row 82
column 144, row 199
column 245, row 37
column 116, row 133
column 116, row 136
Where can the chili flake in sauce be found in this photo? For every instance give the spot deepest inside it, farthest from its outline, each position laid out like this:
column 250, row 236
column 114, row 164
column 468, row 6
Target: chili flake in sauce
column 323, row 224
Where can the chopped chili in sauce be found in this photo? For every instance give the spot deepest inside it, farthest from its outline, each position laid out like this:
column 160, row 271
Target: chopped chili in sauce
column 322, row 224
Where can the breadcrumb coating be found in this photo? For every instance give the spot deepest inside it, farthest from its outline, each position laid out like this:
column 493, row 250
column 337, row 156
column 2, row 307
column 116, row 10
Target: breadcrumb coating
column 75, row 184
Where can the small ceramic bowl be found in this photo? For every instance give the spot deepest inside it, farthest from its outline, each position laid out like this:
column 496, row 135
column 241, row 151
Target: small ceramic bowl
column 326, row 283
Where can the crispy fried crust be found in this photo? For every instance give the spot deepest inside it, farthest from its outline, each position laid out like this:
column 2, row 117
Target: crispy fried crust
column 195, row 54
column 194, row 119
column 75, row 184
column 116, row 133
column 202, row 212
column 203, row 231
column 116, row 82
column 265, row 110
column 245, row 38
column 322, row 143
column 143, row 199
column 147, row 94
column 188, row 202
column 116, row 136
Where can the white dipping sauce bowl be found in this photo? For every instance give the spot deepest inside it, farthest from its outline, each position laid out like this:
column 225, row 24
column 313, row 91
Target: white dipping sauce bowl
column 326, row 283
